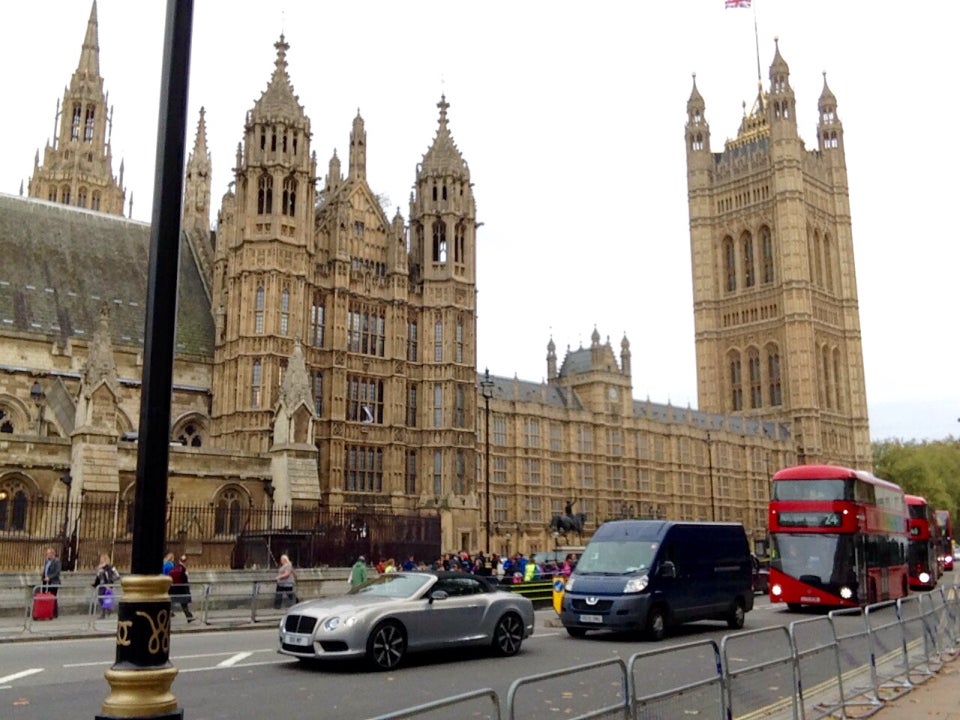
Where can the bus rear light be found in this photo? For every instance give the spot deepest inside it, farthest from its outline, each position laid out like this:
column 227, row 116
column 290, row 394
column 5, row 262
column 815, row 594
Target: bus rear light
column 924, row 577
column 776, row 590
column 846, row 593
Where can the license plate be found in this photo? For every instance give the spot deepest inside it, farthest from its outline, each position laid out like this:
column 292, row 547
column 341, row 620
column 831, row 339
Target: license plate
column 591, row 619
column 301, row 640
column 809, row 599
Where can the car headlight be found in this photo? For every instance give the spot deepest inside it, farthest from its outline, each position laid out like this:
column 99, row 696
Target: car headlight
column 335, row 621
column 568, row 585
column 637, row 584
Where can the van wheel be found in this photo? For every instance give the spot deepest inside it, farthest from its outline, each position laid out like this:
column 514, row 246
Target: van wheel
column 657, row 624
column 576, row 632
column 737, row 615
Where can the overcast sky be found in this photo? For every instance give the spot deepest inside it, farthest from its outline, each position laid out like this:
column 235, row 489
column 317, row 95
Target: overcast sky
column 571, row 116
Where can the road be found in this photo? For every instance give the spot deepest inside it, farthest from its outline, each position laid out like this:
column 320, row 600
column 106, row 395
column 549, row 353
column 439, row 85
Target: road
column 238, row 673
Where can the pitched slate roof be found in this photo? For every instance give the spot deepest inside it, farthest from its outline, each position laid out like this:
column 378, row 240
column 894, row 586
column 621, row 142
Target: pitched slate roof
column 58, row 264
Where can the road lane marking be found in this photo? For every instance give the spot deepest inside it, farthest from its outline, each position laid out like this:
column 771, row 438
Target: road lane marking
column 172, row 658
column 278, row 661
column 230, row 661
column 21, row 674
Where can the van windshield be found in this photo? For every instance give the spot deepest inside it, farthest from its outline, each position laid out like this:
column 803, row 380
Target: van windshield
column 621, row 557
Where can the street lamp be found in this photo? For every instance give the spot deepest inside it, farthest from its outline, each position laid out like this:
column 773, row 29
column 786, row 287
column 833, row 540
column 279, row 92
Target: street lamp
column 486, row 389
column 713, row 494
column 39, row 398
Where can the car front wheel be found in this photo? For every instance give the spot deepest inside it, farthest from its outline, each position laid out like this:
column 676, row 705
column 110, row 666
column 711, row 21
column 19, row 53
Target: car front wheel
column 657, row 624
column 508, row 635
column 386, row 645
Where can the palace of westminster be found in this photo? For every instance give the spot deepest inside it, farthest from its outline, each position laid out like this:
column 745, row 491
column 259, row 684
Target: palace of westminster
column 326, row 353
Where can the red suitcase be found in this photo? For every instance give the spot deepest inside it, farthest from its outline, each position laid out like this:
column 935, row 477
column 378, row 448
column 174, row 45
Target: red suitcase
column 44, row 605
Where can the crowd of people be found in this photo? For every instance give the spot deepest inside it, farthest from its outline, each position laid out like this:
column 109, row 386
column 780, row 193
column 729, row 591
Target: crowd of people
column 513, row 568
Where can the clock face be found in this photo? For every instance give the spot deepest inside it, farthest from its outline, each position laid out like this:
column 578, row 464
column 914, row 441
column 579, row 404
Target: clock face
column 613, row 393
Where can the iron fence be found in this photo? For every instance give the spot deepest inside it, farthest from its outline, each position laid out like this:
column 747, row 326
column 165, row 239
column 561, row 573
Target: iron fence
column 225, row 535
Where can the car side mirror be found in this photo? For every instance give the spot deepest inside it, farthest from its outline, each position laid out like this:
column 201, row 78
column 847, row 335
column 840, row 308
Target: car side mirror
column 668, row 569
column 438, row 595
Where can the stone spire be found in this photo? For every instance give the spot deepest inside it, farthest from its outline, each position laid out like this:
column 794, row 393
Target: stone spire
column 279, row 101
column 444, row 157
column 101, row 365
column 358, row 149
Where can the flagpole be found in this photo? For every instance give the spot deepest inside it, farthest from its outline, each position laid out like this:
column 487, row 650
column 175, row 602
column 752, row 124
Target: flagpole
column 756, row 38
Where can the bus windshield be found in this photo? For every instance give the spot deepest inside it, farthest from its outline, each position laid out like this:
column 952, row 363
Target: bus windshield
column 816, row 559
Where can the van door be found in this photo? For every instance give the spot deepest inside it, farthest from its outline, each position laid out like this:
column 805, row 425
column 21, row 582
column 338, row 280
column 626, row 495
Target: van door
column 680, row 592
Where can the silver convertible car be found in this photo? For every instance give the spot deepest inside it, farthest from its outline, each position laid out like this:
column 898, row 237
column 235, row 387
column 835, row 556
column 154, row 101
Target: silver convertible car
column 393, row 614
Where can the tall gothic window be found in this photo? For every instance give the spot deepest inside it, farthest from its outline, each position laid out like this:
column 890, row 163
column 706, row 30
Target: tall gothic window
column 258, row 312
column 366, row 330
column 88, row 125
column 827, row 262
column 438, row 472
column 284, row 311
column 75, row 123
column 736, row 382
column 364, row 468
column 14, row 503
column 316, row 321
column 82, row 197
column 318, row 393
column 6, row 422
column 460, row 477
column 773, row 375
column 439, row 241
column 411, row 404
column 748, row 276
column 256, row 380
column 438, row 405
column 65, row 194
column 753, row 360
column 458, row 350
column 228, row 516
column 837, row 385
column 438, row 341
column 289, row 198
column 459, row 243
column 766, row 247
column 412, row 340
column 459, row 410
column 730, row 264
column 410, row 485
column 827, row 378
column 95, row 201
column 265, row 195
column 364, row 399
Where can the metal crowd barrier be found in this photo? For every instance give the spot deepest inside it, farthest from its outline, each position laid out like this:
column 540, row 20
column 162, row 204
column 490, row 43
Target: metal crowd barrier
column 848, row 664
column 440, row 707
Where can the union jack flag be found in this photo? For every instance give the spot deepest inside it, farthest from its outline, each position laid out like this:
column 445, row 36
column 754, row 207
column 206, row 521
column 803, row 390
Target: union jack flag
column 736, row 4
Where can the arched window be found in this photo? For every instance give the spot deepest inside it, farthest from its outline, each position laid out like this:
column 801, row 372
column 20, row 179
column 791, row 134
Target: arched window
column 439, row 241
column 95, row 201
column 284, row 311
column 817, row 261
column 459, row 243
column 828, row 262
column 258, row 312
column 289, row 199
column 65, row 194
column 6, row 421
column 75, row 123
column 265, row 195
column 756, row 394
column 88, row 125
column 14, row 506
column 736, row 381
column 828, row 380
column 748, row 271
column 730, row 264
column 766, row 248
column 190, row 434
column 82, row 197
column 773, row 376
column 837, row 384
column 256, row 378
column 230, row 506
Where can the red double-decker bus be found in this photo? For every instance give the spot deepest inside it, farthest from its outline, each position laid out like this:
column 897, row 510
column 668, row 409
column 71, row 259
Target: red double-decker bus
column 838, row 537
column 922, row 560
column 945, row 552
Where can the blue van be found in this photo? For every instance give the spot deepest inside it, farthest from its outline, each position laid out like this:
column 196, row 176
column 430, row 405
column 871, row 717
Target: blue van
column 646, row 575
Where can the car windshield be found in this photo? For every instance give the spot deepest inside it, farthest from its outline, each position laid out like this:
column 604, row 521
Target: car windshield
column 621, row 557
column 396, row 585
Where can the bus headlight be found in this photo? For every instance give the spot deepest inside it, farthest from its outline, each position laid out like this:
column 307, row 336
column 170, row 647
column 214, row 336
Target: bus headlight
column 776, row 590
column 924, row 577
column 846, row 593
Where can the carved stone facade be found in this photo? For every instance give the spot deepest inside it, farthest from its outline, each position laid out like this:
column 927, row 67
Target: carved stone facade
column 326, row 351
column 775, row 291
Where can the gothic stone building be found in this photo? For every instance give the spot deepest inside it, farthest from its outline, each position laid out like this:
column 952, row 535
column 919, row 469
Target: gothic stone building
column 326, row 353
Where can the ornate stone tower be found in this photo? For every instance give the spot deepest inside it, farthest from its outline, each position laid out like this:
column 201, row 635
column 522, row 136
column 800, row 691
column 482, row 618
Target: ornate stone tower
column 77, row 168
column 261, row 263
column 443, row 272
column 775, row 295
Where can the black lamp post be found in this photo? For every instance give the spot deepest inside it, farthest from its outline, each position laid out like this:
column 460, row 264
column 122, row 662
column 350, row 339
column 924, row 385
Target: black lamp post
column 39, row 398
column 713, row 492
column 486, row 389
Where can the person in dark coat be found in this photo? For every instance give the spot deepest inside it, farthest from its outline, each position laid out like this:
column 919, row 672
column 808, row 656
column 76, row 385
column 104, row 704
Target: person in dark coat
column 180, row 588
column 50, row 581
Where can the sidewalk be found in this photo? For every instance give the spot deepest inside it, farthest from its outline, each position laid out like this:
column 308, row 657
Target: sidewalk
column 938, row 697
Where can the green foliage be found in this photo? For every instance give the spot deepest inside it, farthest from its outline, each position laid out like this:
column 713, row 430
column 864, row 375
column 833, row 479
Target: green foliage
column 929, row 468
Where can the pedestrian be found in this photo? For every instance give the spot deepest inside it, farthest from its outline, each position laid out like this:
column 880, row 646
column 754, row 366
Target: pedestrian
column 167, row 563
column 106, row 576
column 286, row 584
column 180, row 588
column 358, row 573
column 51, row 577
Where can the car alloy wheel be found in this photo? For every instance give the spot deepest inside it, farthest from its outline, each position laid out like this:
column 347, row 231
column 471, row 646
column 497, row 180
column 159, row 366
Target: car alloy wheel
column 508, row 635
column 386, row 645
